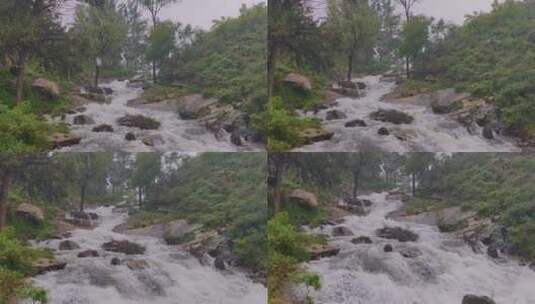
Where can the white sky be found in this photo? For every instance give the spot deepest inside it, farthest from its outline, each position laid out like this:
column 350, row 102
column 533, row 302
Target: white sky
column 452, row 10
column 199, row 13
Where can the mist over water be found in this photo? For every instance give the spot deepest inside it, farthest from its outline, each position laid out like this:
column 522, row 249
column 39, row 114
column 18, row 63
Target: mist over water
column 428, row 132
column 173, row 276
column 446, row 270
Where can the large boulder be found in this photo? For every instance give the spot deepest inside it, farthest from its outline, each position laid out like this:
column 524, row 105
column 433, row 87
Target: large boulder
column 361, row 240
column 31, row 213
column 488, row 132
column 410, row 252
column 342, row 231
column 219, row 263
column 83, row 120
column 335, row 115
column 312, row 135
column 397, row 233
column 103, row 128
column 137, row 265
column 125, row 247
column 322, row 251
column 195, row 106
column 355, row 123
column 44, row 265
column 139, row 121
column 46, row 88
column 473, row 299
column 304, row 197
column 447, row 101
column 153, row 140
column 60, row 140
column 299, row 81
column 392, row 116
column 88, row 254
column 68, row 245
column 383, row 131
column 452, row 219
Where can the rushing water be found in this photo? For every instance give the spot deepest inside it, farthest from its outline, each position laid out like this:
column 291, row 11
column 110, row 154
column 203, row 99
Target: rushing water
column 447, row 270
column 429, row 132
column 177, row 134
column 173, row 276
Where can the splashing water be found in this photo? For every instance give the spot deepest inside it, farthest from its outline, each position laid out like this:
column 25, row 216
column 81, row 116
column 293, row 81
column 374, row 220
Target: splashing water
column 177, row 134
column 428, row 132
column 173, row 276
column 446, row 270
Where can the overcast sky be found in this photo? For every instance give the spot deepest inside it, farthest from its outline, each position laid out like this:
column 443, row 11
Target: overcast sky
column 452, row 10
column 199, row 13
column 202, row 12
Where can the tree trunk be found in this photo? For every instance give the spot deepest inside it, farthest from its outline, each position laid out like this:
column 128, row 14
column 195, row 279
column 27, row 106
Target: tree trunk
column 355, row 184
column 4, row 191
column 154, row 71
column 408, row 67
column 82, row 198
column 271, row 66
column 350, row 67
column 414, row 184
column 23, row 57
column 97, row 74
column 140, row 196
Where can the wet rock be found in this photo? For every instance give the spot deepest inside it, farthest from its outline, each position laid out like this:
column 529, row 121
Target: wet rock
column 103, row 128
column 304, row 197
column 397, row 196
column 137, row 265
column 219, row 263
column 397, row 233
column 84, row 215
column 355, row 123
column 115, row 261
column 125, row 247
column 347, row 92
column 138, row 121
column 83, row 120
column 358, row 202
column 195, row 106
column 361, row 240
column 342, row 231
column 447, row 101
column 44, row 265
column 492, row 251
column 452, row 219
column 388, row 248
column 488, row 132
column 299, row 81
column 410, row 252
column 60, row 140
column 322, row 251
column 335, row 115
column 383, row 131
column 532, row 266
column 392, row 116
column 68, row 245
column 31, row 213
column 153, row 140
column 473, row 299
column 130, row 136
column 347, row 84
column 88, row 254
column 46, row 88
column 312, row 135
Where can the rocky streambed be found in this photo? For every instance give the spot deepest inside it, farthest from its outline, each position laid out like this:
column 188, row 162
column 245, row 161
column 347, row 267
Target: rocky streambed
column 100, row 265
column 114, row 117
column 365, row 116
column 375, row 256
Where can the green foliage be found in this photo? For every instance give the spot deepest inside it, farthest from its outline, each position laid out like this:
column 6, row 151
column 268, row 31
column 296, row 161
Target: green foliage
column 287, row 249
column 492, row 56
column 161, row 41
column 415, row 37
column 21, row 131
column 283, row 128
column 16, row 264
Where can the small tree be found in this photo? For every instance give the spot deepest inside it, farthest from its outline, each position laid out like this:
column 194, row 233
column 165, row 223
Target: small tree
column 103, row 30
column 161, row 44
column 415, row 38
